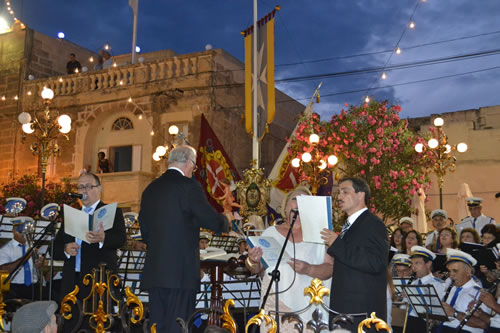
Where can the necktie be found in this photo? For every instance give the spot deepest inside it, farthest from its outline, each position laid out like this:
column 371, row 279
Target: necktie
column 78, row 259
column 474, row 222
column 345, row 227
column 455, row 296
column 27, row 270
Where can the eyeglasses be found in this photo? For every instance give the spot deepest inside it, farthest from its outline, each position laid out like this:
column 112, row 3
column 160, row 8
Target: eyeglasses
column 86, row 187
column 195, row 166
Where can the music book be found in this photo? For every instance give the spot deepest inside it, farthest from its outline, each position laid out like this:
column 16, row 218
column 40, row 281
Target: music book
column 271, row 250
column 484, row 255
column 77, row 223
column 315, row 215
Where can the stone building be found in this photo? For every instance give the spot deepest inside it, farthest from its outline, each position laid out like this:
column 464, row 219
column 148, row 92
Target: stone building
column 478, row 167
column 125, row 111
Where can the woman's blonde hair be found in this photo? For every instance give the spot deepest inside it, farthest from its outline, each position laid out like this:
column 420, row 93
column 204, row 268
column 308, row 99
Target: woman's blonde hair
column 298, row 190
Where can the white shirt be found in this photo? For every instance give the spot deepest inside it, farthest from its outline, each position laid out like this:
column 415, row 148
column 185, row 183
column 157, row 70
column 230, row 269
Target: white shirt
column 480, row 221
column 429, row 240
column 174, row 168
column 469, row 292
column 11, row 252
column 438, row 284
column 352, row 218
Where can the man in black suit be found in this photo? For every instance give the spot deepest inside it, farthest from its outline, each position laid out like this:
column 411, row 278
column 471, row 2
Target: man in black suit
column 359, row 281
column 173, row 208
column 100, row 246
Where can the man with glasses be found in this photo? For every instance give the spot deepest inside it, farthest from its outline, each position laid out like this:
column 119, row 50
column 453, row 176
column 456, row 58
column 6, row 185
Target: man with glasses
column 173, row 209
column 80, row 256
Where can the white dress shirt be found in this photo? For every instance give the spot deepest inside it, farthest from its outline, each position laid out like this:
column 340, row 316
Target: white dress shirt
column 11, row 252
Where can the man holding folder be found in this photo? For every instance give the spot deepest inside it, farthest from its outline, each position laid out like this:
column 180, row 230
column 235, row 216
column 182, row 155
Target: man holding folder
column 100, row 246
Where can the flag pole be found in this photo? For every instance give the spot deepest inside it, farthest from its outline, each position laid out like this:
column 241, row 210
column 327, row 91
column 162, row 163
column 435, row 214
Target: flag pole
column 135, row 5
column 255, row 118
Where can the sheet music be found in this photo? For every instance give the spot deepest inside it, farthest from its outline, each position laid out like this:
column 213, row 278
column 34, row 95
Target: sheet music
column 315, row 215
column 76, row 222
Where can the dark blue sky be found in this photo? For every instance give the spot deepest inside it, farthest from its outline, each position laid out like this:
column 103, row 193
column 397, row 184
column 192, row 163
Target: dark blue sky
column 307, row 31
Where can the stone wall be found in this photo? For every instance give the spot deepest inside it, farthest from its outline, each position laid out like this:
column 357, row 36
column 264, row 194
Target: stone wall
column 479, row 167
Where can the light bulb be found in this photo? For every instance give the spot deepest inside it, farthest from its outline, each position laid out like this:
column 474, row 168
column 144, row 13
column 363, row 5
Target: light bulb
column 91, row 59
column 114, row 64
column 411, row 25
column 47, row 93
column 156, row 157
column 65, row 129
column 398, row 51
column 314, row 138
column 173, row 130
column 322, row 165
column 433, row 143
column 296, row 162
column 130, row 99
column 140, row 116
column 64, row 120
column 332, row 159
column 161, row 150
column 24, row 118
column 152, row 132
column 137, row 49
column 28, row 93
column 60, row 79
column 27, row 128
column 306, row 157
column 419, row 147
column 384, row 76
column 60, row 35
column 438, row 122
column 448, row 149
column 462, row 147
column 367, row 99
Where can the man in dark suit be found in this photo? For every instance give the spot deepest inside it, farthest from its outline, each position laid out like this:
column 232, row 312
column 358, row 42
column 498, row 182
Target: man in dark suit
column 100, row 246
column 359, row 281
column 173, row 208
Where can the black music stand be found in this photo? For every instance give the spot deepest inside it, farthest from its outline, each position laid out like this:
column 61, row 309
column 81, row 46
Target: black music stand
column 425, row 301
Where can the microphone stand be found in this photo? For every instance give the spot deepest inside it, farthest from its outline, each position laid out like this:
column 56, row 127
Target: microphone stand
column 29, row 252
column 275, row 274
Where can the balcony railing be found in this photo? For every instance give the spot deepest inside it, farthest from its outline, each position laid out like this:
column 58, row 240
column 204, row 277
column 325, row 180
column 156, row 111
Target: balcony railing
column 121, row 76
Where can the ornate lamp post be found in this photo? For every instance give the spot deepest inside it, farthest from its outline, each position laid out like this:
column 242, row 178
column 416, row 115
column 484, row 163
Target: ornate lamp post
column 163, row 151
column 441, row 150
column 45, row 125
column 315, row 164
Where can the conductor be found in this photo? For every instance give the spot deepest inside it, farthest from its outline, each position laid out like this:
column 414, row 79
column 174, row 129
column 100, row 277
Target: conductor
column 173, row 209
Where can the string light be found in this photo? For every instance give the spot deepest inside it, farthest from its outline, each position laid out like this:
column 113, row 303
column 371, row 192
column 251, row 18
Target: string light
column 16, row 98
column 140, row 116
column 60, row 79
column 29, row 93
column 130, row 100
column 121, row 82
column 367, row 99
column 10, row 10
column 3, row 98
column 384, row 76
column 107, row 47
column 60, row 35
column 114, row 64
column 398, row 51
column 152, row 133
column 411, row 25
column 91, row 59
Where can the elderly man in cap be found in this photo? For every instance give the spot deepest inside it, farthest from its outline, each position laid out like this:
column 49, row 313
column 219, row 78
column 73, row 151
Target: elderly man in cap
column 439, row 221
column 23, row 282
column 35, row 317
column 464, row 290
column 421, row 264
column 406, row 223
column 477, row 220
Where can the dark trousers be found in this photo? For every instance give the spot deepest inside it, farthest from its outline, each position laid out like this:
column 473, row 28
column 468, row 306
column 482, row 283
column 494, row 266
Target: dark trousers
column 166, row 304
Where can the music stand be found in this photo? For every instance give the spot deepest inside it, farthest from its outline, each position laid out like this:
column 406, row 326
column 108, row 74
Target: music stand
column 426, row 303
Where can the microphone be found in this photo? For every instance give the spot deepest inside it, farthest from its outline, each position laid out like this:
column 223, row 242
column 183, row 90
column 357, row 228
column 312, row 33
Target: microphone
column 82, row 196
column 294, row 212
column 497, row 195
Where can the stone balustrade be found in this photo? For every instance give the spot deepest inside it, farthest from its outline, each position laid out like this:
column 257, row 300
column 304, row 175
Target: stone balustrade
column 121, row 76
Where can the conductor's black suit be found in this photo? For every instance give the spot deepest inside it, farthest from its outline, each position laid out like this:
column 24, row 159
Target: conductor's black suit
column 173, row 208
column 359, row 281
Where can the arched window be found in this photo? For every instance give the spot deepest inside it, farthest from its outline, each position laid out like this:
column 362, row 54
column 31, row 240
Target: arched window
column 122, row 123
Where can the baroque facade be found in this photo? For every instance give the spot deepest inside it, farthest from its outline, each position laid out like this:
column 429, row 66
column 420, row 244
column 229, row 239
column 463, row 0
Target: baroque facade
column 125, row 111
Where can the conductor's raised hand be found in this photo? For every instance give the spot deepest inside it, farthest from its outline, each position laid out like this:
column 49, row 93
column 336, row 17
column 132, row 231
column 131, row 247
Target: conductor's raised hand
column 96, row 236
column 329, row 236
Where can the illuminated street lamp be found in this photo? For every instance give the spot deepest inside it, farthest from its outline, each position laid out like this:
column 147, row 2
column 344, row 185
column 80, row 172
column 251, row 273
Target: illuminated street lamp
column 441, row 150
column 315, row 164
column 45, row 125
column 162, row 152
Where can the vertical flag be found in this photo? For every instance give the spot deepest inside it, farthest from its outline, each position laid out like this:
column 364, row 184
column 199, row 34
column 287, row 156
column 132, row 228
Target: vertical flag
column 213, row 164
column 265, row 74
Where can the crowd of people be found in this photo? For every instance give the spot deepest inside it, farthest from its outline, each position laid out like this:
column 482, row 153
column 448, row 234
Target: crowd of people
column 364, row 265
